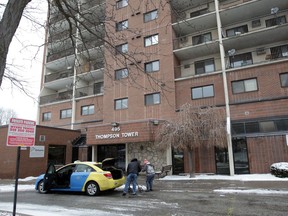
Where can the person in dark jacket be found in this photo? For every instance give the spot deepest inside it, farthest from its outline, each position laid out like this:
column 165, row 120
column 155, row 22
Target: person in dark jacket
column 133, row 170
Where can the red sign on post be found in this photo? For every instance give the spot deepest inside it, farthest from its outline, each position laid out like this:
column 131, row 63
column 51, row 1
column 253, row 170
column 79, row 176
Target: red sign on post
column 21, row 132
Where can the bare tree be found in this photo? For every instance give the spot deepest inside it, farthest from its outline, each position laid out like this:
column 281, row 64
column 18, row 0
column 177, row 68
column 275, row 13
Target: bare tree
column 194, row 127
column 8, row 25
column 5, row 115
column 83, row 29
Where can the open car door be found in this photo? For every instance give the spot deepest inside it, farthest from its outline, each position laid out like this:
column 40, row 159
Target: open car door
column 50, row 177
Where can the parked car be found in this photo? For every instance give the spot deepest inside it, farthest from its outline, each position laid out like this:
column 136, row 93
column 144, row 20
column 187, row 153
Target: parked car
column 88, row 177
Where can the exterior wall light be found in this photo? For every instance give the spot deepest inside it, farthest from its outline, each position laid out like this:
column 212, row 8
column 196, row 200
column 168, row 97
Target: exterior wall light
column 155, row 122
column 114, row 124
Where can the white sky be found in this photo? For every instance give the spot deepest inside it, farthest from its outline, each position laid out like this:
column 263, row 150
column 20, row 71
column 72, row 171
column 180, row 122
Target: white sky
column 36, row 210
column 24, row 53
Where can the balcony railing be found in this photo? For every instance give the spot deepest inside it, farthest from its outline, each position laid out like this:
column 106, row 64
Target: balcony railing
column 60, row 54
column 90, row 66
column 89, row 90
column 56, row 97
column 89, row 45
column 59, row 75
column 91, row 4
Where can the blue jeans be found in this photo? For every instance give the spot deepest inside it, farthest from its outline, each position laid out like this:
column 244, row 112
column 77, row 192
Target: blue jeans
column 132, row 177
column 149, row 181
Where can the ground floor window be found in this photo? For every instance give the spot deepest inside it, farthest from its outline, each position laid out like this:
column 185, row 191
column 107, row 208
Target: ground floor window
column 57, row 154
column 112, row 151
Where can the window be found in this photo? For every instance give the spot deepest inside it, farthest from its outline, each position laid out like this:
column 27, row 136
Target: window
column 67, row 113
column 57, row 154
column 151, row 99
column 237, row 30
column 98, row 88
column 199, row 39
column 122, row 25
column 284, row 79
column 275, row 21
column 121, row 103
column 205, row 66
column 121, row 74
column 264, row 126
column 279, row 52
column 241, row 60
column 202, row 92
column 152, row 66
column 123, row 48
column 152, row 15
column 151, row 40
column 199, row 12
column 121, row 4
column 267, row 126
column 87, row 110
column 244, row 86
column 46, row 116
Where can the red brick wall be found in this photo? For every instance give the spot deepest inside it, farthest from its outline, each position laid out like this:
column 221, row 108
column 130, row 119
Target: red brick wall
column 264, row 151
column 33, row 166
column 138, row 83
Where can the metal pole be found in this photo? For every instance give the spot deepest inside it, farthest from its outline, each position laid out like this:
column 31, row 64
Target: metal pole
column 16, row 181
column 223, row 65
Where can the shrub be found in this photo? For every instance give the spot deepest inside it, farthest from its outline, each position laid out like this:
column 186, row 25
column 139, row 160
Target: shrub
column 279, row 169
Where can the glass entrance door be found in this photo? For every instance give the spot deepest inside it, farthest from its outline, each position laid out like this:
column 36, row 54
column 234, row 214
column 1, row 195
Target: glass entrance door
column 178, row 162
column 241, row 163
column 240, row 156
column 112, row 151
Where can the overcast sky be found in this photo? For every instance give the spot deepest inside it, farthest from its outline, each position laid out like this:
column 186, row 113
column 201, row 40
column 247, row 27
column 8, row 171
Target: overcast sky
column 25, row 54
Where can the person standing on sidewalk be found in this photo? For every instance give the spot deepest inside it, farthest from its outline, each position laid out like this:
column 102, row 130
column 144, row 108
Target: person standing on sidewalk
column 150, row 174
column 133, row 170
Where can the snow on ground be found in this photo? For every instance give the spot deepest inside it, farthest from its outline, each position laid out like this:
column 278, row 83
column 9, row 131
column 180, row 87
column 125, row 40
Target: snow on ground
column 29, row 209
column 248, row 177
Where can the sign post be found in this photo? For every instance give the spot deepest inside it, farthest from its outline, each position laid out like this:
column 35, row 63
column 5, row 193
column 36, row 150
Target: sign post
column 21, row 132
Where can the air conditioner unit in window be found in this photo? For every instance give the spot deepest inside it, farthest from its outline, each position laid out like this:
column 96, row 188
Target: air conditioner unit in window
column 238, row 33
column 42, row 138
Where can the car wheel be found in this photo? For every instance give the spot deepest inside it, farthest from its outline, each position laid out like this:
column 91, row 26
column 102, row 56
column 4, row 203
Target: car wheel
column 92, row 189
column 41, row 187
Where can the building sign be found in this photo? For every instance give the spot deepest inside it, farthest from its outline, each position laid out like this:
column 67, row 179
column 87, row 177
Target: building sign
column 37, row 152
column 117, row 135
column 21, row 132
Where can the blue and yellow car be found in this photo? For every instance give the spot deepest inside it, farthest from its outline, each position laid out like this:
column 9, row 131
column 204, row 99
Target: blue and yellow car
column 88, row 177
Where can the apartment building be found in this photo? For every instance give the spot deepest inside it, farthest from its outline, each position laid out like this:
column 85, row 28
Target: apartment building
column 121, row 68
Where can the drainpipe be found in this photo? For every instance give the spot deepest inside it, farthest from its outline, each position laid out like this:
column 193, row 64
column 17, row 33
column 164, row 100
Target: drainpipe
column 223, row 65
column 73, row 117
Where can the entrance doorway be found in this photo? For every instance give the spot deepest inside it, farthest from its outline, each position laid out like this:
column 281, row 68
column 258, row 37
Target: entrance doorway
column 240, row 156
column 177, row 161
column 112, row 151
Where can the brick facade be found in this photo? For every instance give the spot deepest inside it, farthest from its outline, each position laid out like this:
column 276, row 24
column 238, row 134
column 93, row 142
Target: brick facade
column 33, row 166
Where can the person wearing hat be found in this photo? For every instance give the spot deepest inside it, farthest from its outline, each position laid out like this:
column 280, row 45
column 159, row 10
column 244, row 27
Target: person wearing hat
column 150, row 174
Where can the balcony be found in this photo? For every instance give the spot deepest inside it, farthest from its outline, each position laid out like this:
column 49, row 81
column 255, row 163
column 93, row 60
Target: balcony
column 86, row 5
column 56, row 97
column 60, row 54
column 95, row 89
column 89, row 45
column 90, row 66
column 58, row 75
